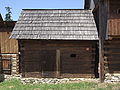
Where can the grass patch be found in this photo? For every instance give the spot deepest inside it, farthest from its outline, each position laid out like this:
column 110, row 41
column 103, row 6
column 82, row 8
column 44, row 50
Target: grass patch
column 17, row 85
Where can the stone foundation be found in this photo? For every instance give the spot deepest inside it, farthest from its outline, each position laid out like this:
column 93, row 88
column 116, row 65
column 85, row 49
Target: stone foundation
column 48, row 80
column 110, row 78
column 115, row 77
column 54, row 80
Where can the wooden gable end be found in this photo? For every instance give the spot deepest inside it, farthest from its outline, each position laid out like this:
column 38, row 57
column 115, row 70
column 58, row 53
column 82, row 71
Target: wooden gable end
column 7, row 45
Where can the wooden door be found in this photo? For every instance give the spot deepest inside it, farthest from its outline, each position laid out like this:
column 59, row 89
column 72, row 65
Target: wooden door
column 41, row 63
column 5, row 65
column 48, row 63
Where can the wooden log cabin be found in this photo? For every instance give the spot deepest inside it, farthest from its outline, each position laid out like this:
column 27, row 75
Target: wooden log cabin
column 57, row 43
column 107, row 17
column 8, row 47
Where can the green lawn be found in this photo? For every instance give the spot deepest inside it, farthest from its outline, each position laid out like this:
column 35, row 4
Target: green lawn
column 17, row 85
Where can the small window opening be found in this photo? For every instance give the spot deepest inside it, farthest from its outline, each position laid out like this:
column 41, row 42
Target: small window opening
column 118, row 11
column 73, row 55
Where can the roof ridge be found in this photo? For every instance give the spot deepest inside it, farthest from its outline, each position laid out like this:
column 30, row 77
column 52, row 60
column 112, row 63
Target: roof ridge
column 56, row 9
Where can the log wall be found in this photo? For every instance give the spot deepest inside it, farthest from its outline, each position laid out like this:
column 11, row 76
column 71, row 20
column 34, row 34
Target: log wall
column 41, row 58
column 112, row 54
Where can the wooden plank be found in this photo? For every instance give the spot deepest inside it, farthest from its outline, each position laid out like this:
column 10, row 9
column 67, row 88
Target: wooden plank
column 114, row 62
column 78, row 72
column 33, row 74
column 58, row 63
column 72, row 68
column 67, row 75
column 78, row 64
column 7, row 45
column 114, row 26
column 48, row 59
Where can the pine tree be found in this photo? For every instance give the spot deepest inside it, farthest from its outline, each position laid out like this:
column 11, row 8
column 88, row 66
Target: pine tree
column 8, row 14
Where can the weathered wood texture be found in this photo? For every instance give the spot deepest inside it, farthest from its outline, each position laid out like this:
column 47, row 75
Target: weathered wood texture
column 109, row 16
column 7, row 26
column 56, row 24
column 78, row 61
column 108, row 21
column 103, row 18
column 9, row 64
column 112, row 52
column 114, row 27
column 8, row 45
column 41, row 58
column 6, row 66
column 114, row 18
column 114, row 7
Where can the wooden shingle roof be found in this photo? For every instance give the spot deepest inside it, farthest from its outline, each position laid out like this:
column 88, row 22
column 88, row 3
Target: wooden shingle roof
column 59, row 24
